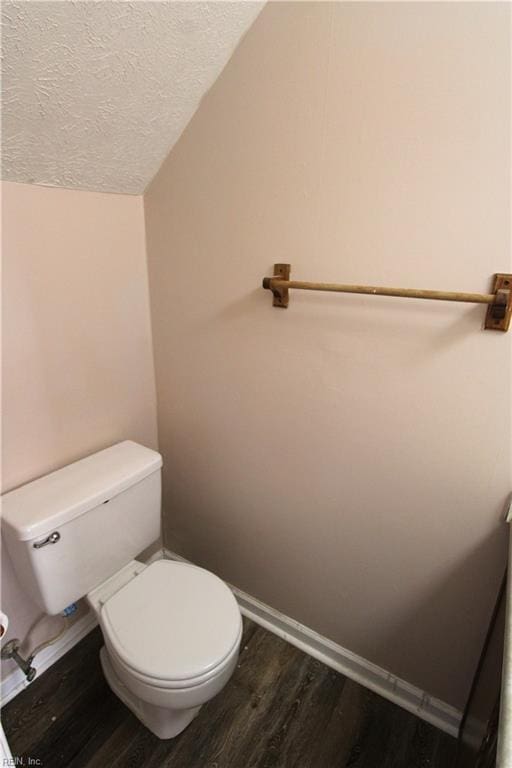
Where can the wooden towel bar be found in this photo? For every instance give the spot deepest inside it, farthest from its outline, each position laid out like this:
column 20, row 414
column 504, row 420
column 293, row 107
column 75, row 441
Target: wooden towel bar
column 499, row 303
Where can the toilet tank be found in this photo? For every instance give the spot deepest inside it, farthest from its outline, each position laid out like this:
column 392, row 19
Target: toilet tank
column 68, row 531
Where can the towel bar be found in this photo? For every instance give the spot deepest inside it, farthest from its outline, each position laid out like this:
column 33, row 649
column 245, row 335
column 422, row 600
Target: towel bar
column 499, row 303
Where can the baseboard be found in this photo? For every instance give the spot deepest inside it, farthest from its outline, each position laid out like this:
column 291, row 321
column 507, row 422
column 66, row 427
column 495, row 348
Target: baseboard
column 382, row 682
column 405, row 695
column 160, row 554
column 15, row 681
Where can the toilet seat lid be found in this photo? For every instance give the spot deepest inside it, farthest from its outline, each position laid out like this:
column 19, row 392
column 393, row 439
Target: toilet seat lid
column 173, row 621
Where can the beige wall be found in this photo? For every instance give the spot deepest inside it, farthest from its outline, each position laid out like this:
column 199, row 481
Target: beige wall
column 346, row 460
column 77, row 356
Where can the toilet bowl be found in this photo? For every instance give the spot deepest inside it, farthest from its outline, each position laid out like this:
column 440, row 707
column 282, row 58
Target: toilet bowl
column 172, row 635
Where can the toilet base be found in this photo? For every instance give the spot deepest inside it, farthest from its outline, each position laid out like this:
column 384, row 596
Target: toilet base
column 163, row 722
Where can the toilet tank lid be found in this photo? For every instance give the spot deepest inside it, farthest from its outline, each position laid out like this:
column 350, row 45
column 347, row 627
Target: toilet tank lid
column 38, row 507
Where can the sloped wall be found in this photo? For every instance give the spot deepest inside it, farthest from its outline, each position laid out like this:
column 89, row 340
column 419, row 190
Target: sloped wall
column 346, row 460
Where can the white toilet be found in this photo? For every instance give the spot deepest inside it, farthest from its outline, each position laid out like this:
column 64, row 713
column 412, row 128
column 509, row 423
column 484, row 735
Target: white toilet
column 172, row 631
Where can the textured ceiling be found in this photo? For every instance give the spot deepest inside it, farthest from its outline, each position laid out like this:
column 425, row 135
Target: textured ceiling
column 95, row 94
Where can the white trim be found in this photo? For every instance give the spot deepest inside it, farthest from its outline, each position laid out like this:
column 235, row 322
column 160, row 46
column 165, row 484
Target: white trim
column 5, row 752
column 15, row 681
column 376, row 679
column 405, row 695
column 160, row 554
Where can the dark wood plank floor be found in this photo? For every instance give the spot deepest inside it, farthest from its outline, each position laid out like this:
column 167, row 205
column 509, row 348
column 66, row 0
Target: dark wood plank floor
column 281, row 709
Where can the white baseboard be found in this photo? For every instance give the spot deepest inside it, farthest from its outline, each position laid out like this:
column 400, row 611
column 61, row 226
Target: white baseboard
column 376, row 679
column 160, row 554
column 405, row 695
column 15, row 681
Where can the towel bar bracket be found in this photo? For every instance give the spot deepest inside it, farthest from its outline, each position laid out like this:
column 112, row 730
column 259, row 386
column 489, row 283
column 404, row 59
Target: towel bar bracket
column 499, row 303
column 281, row 297
column 500, row 311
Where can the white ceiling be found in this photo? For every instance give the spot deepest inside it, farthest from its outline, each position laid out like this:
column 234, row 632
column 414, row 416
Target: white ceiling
column 95, row 94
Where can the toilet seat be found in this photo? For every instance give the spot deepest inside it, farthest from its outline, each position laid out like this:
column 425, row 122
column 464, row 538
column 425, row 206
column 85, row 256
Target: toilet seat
column 164, row 684
column 172, row 626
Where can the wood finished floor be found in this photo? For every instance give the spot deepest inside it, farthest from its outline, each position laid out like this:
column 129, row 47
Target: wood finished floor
column 281, row 709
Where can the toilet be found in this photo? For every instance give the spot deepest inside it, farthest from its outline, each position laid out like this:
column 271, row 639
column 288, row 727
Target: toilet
column 171, row 630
